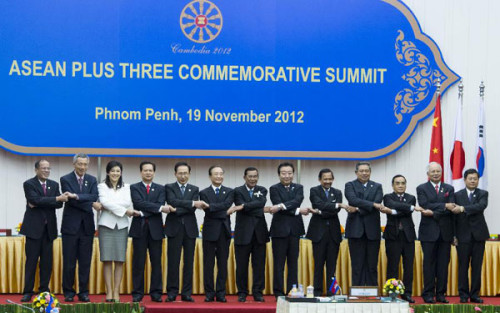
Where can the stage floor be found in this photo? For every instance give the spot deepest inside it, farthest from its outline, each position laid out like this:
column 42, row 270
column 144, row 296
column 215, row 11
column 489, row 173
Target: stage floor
column 199, row 306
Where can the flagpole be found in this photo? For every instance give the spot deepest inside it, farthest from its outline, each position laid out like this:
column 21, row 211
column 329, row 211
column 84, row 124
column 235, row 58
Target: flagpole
column 481, row 90
column 438, row 86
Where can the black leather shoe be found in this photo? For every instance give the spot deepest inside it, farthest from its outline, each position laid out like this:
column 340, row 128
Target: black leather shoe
column 464, row 300
column 442, row 300
column 170, row 299
column 242, row 298
column 83, row 298
column 209, row 299
column 407, row 298
column 68, row 299
column 476, row 300
column 429, row 300
column 258, row 299
column 187, row 299
column 26, row 298
column 136, row 299
column 156, row 299
column 221, row 299
column 110, row 300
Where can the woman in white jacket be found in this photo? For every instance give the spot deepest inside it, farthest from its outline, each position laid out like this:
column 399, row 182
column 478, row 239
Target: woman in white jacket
column 113, row 223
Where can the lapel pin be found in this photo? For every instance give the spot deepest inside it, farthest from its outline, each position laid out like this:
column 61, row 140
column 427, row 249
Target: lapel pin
column 49, row 188
column 224, row 192
column 189, row 190
column 153, row 189
column 331, row 195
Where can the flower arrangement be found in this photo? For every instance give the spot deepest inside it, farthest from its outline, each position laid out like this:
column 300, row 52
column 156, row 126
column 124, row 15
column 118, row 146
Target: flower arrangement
column 394, row 287
column 18, row 227
column 342, row 230
column 46, row 302
column 382, row 229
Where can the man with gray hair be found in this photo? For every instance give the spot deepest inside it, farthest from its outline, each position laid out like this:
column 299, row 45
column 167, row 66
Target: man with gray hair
column 435, row 232
column 78, row 227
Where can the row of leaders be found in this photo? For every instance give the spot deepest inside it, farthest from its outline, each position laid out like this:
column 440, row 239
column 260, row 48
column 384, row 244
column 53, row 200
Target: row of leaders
column 448, row 217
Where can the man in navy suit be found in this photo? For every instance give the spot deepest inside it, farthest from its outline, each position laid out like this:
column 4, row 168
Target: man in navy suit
column 471, row 232
column 216, row 233
column 181, row 230
column 40, row 226
column 250, row 234
column 399, row 233
column 363, row 225
column 287, row 227
column 436, row 232
column 78, row 227
column 147, row 233
column 324, row 229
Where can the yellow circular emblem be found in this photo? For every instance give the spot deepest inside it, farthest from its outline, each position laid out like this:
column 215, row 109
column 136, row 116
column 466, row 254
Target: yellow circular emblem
column 201, row 21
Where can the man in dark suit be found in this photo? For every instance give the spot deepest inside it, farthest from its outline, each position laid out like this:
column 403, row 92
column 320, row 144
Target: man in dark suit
column 471, row 232
column 250, row 235
column 287, row 227
column 324, row 229
column 78, row 227
column 435, row 232
column 216, row 233
column 40, row 226
column 181, row 230
column 147, row 232
column 363, row 225
column 400, row 234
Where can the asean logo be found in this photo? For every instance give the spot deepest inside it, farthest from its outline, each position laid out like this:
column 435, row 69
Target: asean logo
column 201, row 21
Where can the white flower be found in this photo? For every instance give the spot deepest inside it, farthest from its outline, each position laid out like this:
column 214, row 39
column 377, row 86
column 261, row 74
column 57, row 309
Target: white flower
column 258, row 194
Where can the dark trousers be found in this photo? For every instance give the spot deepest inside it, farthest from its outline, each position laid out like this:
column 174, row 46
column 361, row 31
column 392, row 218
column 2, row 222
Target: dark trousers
column 216, row 249
column 470, row 252
column 324, row 251
column 285, row 249
column 38, row 249
column 141, row 246
column 364, row 261
column 76, row 247
column 395, row 249
column 436, row 260
column 175, row 245
column 242, row 254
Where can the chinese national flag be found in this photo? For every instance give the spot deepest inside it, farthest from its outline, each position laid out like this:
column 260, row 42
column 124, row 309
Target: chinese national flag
column 436, row 154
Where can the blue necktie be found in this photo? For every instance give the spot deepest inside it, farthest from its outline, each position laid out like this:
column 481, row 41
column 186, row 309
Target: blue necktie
column 470, row 196
column 250, row 192
column 326, row 194
column 183, row 189
column 217, row 191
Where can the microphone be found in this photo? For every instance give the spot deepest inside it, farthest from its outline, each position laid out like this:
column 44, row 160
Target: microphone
column 20, row 305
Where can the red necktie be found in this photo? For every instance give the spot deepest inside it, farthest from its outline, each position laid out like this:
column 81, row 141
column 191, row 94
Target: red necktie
column 44, row 187
column 147, row 189
column 437, row 189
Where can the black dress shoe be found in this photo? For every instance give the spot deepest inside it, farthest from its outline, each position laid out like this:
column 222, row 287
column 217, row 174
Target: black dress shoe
column 464, row 300
column 407, row 298
column 110, row 300
column 209, row 299
column 68, row 299
column 170, row 299
column 476, row 300
column 442, row 300
column 429, row 300
column 242, row 298
column 187, row 299
column 221, row 299
column 83, row 298
column 136, row 299
column 156, row 299
column 258, row 299
column 26, row 298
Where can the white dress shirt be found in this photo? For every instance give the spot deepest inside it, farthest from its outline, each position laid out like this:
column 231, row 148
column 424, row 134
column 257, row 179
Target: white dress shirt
column 115, row 204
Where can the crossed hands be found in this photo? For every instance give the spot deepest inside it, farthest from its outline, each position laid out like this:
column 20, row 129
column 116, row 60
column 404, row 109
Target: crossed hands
column 276, row 208
column 167, row 208
column 132, row 212
column 234, row 209
column 202, row 205
column 454, row 208
column 425, row 212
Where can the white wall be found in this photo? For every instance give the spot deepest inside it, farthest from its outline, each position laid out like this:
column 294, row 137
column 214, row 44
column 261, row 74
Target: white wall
column 467, row 34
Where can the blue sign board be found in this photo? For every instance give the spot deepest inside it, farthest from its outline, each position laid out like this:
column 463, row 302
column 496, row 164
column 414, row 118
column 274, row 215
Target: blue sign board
column 328, row 79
